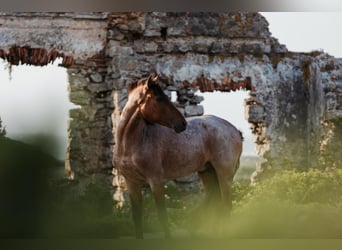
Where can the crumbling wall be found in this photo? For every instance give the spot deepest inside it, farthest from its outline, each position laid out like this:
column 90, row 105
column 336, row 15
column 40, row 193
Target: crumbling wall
column 289, row 95
column 80, row 40
column 292, row 96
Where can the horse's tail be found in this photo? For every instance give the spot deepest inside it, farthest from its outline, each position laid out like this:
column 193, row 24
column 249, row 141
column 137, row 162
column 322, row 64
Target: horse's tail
column 237, row 165
column 241, row 135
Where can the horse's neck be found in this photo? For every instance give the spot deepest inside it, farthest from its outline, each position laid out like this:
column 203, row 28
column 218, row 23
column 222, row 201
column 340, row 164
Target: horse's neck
column 130, row 127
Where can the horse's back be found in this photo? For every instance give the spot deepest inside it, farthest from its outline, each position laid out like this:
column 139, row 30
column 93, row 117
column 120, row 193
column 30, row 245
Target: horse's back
column 222, row 139
column 215, row 126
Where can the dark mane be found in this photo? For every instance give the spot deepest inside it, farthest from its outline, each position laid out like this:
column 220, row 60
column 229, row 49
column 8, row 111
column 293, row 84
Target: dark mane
column 136, row 83
column 155, row 86
column 132, row 86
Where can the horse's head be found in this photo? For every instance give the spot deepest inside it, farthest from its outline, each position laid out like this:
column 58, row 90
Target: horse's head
column 155, row 106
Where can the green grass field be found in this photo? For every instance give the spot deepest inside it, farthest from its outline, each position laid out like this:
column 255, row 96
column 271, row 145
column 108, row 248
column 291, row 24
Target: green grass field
column 34, row 203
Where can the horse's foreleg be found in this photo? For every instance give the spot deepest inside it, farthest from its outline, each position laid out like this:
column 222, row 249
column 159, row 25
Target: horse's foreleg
column 135, row 195
column 158, row 194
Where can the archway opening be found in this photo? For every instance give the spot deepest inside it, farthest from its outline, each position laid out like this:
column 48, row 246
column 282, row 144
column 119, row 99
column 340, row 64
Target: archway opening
column 34, row 106
column 231, row 106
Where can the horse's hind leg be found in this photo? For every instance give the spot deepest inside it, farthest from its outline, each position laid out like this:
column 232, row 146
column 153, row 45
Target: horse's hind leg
column 135, row 196
column 210, row 185
column 207, row 212
column 225, row 180
column 158, row 194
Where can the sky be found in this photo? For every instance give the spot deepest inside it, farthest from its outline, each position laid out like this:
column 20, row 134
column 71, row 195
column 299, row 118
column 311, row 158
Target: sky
column 307, row 31
column 35, row 99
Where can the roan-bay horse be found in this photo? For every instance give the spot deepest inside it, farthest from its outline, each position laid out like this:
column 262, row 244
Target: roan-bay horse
column 155, row 143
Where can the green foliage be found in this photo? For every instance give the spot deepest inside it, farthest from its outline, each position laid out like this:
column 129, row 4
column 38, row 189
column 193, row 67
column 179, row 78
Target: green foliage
column 2, row 129
column 300, row 187
column 24, row 171
column 290, row 205
column 90, row 215
column 241, row 190
column 330, row 153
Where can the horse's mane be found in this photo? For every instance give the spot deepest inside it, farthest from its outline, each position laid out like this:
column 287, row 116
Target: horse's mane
column 140, row 82
column 133, row 85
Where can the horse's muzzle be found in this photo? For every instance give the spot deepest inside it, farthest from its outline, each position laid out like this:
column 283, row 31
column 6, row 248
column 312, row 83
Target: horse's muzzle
column 180, row 127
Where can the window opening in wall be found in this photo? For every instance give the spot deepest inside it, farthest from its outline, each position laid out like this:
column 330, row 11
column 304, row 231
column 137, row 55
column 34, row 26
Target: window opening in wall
column 230, row 106
column 34, row 105
column 163, row 32
column 173, row 96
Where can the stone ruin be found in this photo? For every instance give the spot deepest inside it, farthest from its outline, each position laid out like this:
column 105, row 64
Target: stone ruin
column 293, row 97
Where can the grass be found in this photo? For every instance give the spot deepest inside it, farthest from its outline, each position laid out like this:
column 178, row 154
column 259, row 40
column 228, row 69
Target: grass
column 291, row 204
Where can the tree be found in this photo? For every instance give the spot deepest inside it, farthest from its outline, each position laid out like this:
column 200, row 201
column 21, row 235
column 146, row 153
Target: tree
column 2, row 129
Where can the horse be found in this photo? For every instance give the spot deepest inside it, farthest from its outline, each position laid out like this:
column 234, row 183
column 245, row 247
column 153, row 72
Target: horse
column 155, row 144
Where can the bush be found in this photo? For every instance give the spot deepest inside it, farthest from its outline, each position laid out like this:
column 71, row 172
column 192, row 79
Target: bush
column 2, row 129
column 290, row 205
column 330, row 155
column 300, row 187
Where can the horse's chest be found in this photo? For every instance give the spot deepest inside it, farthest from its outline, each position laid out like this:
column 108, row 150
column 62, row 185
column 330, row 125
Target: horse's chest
column 135, row 164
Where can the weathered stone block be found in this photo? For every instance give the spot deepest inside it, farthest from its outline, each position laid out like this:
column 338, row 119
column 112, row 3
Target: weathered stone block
column 196, row 99
column 255, row 113
column 97, row 88
column 76, row 82
column 167, row 47
column 138, row 46
column 96, row 77
column 123, row 27
column 215, row 47
column 339, row 100
column 198, row 25
column 150, row 47
column 113, row 47
column 135, row 26
column 330, row 101
column 183, row 47
column 115, row 34
column 78, row 114
column 127, row 63
column 200, row 46
column 194, row 110
column 80, row 97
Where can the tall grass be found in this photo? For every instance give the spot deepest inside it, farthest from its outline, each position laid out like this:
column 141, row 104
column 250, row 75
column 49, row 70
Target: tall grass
column 291, row 204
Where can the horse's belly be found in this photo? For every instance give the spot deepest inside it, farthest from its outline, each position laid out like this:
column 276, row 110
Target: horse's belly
column 183, row 165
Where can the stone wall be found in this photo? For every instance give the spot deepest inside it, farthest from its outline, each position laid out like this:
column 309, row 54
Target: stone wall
column 293, row 96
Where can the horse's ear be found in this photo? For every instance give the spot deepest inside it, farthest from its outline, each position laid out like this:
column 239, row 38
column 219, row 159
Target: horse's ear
column 156, row 78
column 150, row 81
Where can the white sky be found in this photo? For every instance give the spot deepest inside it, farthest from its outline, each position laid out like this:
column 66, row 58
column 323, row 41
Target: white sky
column 36, row 99
column 307, row 31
